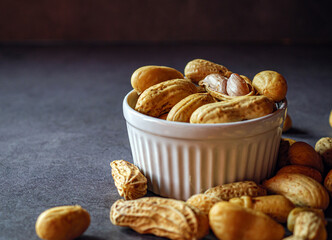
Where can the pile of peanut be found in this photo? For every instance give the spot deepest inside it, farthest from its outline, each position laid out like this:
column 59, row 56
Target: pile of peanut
column 295, row 197
column 207, row 92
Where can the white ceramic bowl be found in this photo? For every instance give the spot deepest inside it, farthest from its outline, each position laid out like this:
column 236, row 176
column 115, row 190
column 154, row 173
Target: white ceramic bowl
column 182, row 159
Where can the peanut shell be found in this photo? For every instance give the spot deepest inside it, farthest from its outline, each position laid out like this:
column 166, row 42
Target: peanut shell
column 301, row 190
column 308, row 171
column 203, row 202
column 128, row 179
column 301, row 153
column 62, row 223
column 160, row 98
column 295, row 212
column 182, row 111
column 238, row 109
column 293, row 237
column 217, row 85
column 236, row 189
column 147, row 76
column 164, row 116
column 328, row 182
column 233, row 222
column 162, row 217
column 310, row 226
column 276, row 206
column 324, row 147
column 198, row 69
column 271, row 84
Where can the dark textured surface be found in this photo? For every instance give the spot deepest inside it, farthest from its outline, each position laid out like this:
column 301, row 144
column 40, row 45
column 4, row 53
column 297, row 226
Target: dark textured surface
column 61, row 121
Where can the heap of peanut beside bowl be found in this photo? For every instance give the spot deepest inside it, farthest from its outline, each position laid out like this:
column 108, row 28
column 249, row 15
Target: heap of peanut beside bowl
column 206, row 93
column 295, row 198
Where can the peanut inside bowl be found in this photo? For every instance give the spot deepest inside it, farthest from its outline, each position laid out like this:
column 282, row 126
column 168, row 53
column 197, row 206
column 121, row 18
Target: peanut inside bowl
column 183, row 159
column 231, row 130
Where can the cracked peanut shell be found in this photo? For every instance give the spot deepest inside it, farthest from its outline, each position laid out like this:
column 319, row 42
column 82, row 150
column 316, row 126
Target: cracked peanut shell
column 218, row 86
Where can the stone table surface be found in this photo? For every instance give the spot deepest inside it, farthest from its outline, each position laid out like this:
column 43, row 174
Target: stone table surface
column 61, row 121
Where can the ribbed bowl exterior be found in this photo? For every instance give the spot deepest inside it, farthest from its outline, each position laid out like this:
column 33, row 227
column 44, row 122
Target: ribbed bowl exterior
column 179, row 163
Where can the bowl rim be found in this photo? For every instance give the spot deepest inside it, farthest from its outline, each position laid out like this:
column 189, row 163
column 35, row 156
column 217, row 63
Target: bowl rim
column 281, row 106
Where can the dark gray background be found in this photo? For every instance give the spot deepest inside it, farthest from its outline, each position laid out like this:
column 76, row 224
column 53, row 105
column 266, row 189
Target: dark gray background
column 61, row 121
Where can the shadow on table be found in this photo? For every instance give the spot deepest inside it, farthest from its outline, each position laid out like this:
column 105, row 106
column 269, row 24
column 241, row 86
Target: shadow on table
column 296, row 131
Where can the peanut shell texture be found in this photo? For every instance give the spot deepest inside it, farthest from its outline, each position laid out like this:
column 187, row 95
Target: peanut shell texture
column 128, row 179
column 161, row 98
column 301, row 190
column 163, row 217
column 147, row 76
column 181, row 112
column 271, row 84
column 324, row 147
column 236, row 189
column 198, row 69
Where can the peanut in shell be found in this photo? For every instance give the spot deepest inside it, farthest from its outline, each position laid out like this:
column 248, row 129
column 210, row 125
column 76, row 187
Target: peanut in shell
column 182, row 111
column 162, row 217
column 276, row 206
column 301, row 190
column 301, row 153
column 233, row 222
column 62, row 222
column 236, row 189
column 238, row 109
column 147, row 76
column 271, row 84
column 160, row 98
column 128, row 179
column 198, row 69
